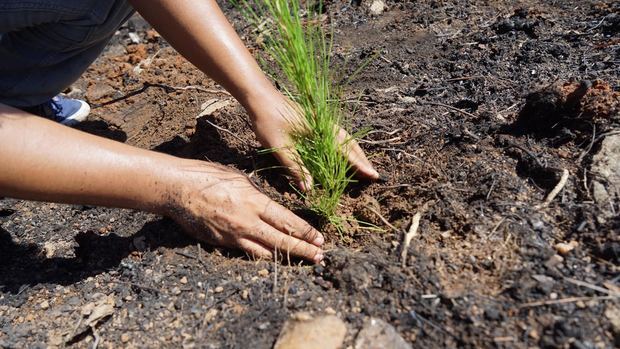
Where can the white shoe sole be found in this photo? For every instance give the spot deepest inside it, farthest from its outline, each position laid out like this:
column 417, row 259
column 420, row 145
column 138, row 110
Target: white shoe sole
column 79, row 115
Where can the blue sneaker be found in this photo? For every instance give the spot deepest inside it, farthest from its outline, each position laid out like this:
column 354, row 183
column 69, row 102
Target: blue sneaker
column 67, row 111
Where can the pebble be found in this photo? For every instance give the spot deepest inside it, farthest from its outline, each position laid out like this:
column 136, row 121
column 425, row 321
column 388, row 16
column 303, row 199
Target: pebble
column 263, row 272
column 565, row 248
column 307, row 332
column 183, row 280
column 125, row 337
column 554, row 261
column 245, row 294
column 378, row 334
column 44, row 305
column 218, row 289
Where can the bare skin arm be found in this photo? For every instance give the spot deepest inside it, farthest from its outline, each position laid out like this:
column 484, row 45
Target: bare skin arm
column 201, row 33
column 212, row 202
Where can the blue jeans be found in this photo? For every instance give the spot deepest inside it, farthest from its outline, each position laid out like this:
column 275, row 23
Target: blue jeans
column 45, row 45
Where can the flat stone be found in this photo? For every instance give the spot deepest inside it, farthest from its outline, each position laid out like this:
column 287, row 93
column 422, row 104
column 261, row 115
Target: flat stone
column 606, row 174
column 304, row 331
column 378, row 334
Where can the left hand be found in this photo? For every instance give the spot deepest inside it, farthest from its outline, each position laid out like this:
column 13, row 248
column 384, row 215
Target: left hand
column 273, row 120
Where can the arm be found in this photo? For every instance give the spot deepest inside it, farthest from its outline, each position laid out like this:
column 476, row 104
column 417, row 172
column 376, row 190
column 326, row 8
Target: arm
column 200, row 32
column 42, row 160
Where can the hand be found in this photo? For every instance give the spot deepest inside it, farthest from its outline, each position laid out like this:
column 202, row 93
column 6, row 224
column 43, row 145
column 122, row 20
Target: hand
column 274, row 118
column 222, row 207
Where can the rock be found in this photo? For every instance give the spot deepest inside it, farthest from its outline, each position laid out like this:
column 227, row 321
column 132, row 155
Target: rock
column 263, row 272
column 606, row 171
column 125, row 337
column 378, row 334
column 44, row 305
column 304, row 331
column 183, row 280
column 554, row 261
column 613, row 315
column 219, row 289
column 133, row 37
column 376, row 7
column 99, row 91
column 565, row 248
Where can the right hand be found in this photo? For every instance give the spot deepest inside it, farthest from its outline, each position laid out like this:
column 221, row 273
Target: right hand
column 222, row 207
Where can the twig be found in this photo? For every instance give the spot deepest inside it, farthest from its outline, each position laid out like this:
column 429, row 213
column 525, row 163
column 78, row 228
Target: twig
column 166, row 88
column 527, row 151
column 275, row 270
column 451, row 108
column 413, row 231
column 465, row 78
column 555, row 190
column 385, row 221
column 594, row 141
column 567, row 300
column 381, row 141
column 591, row 286
column 226, row 130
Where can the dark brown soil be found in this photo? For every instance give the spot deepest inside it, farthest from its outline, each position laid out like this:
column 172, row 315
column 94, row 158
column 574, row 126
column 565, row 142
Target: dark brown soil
column 476, row 108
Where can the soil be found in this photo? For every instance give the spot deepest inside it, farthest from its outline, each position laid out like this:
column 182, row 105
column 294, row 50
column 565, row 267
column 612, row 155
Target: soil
column 476, row 108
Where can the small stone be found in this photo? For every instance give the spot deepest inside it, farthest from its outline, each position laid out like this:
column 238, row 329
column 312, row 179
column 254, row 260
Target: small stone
column 325, row 332
column 376, row 7
column 218, row 289
column 565, row 248
column 245, row 294
column 183, row 280
column 534, row 334
column 378, row 334
column 176, row 291
column 125, row 338
column 133, row 37
column 330, row 311
column 263, row 272
column 44, row 305
column 554, row 261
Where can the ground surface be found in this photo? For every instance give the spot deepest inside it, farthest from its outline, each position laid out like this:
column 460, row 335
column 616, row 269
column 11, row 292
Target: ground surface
column 458, row 141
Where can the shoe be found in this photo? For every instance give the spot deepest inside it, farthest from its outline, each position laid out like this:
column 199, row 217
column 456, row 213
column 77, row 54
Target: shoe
column 67, row 111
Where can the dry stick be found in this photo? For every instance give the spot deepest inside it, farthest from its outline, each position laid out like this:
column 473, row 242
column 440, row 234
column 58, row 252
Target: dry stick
column 166, row 88
column 275, row 270
column 383, row 219
column 555, row 190
column 451, row 108
column 391, row 140
column 413, row 231
column 566, row 300
column 226, row 130
column 591, row 286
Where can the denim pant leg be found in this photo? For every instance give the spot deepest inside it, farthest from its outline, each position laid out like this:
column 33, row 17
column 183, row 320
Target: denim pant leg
column 45, row 45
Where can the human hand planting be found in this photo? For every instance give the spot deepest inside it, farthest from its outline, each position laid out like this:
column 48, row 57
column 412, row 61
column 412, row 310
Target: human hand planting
column 274, row 119
column 222, row 207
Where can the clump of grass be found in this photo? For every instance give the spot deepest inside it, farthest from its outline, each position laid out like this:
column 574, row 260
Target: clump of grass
column 299, row 47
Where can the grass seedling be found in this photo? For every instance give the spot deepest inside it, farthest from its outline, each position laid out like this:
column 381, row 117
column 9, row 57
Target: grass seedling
column 301, row 51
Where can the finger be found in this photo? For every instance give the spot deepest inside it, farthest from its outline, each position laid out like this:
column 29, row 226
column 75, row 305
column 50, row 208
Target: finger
column 291, row 160
column 271, row 237
column 255, row 250
column 358, row 160
column 289, row 223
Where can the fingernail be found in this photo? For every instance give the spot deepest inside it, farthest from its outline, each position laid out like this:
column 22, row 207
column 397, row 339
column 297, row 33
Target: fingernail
column 319, row 257
column 318, row 241
column 374, row 173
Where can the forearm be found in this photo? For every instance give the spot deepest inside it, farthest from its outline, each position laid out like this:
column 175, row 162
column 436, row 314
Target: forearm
column 42, row 160
column 202, row 34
